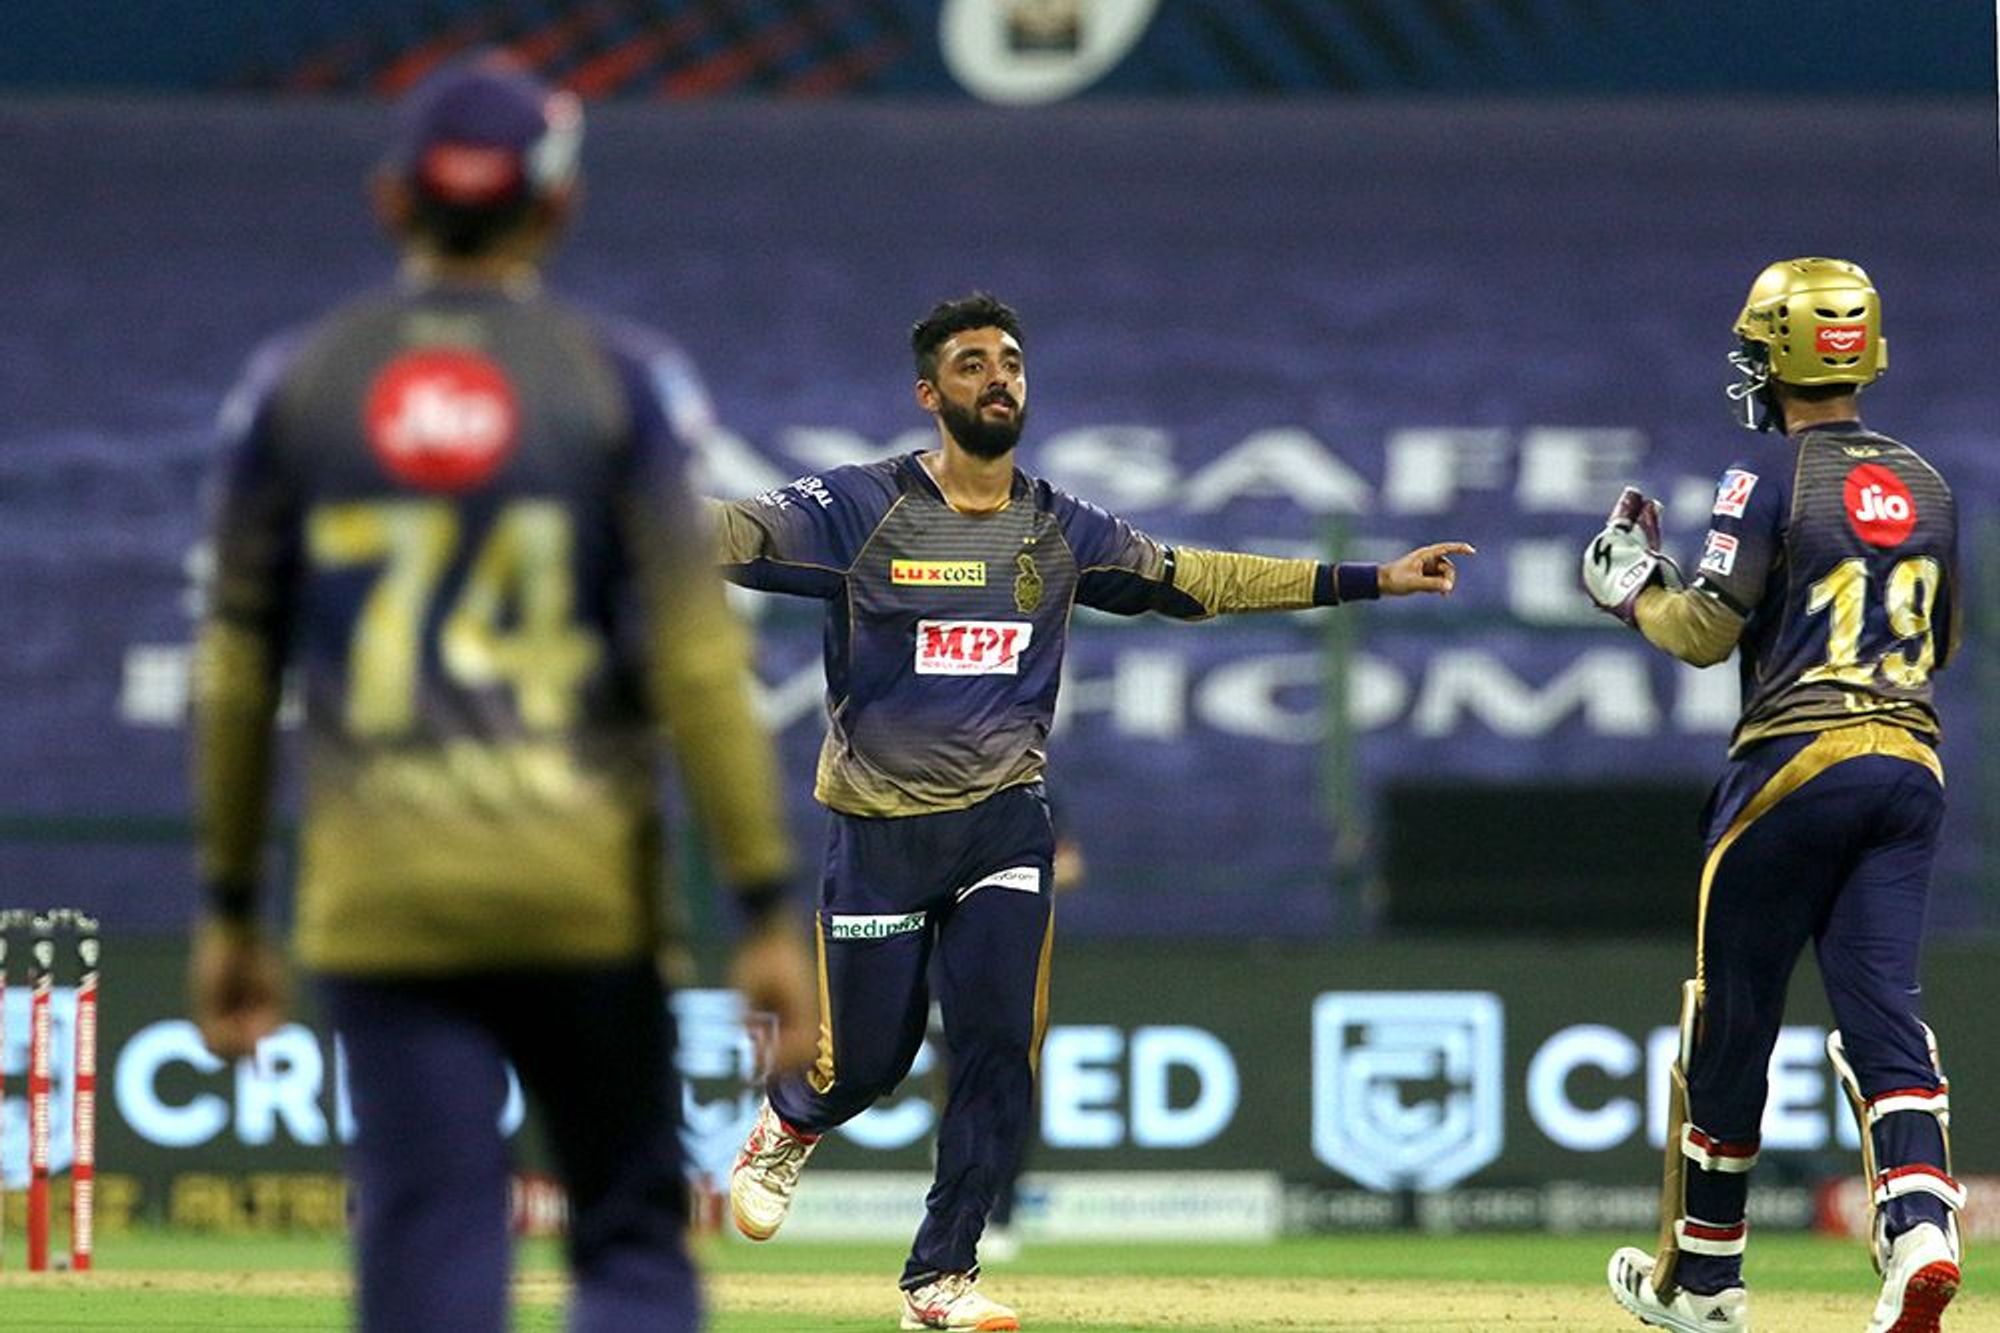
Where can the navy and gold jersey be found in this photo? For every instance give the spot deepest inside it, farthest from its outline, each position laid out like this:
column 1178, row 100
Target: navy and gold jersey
column 460, row 516
column 945, row 630
column 1840, row 560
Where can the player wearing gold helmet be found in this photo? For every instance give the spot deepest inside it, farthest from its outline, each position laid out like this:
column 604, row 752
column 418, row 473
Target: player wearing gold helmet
column 1829, row 568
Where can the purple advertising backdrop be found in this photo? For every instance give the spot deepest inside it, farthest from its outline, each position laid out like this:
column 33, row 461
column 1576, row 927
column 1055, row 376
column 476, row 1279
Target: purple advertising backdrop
column 1280, row 327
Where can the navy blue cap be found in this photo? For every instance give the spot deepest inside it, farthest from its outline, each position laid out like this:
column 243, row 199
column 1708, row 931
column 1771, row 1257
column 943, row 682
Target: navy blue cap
column 483, row 133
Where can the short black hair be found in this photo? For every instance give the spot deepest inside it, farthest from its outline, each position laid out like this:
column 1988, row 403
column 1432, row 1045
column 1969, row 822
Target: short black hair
column 463, row 231
column 1818, row 393
column 977, row 311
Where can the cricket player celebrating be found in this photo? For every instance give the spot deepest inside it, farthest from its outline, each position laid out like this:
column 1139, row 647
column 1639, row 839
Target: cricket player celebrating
column 1830, row 563
column 949, row 576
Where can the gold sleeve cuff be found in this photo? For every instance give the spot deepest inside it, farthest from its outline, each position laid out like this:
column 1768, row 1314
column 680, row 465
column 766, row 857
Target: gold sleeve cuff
column 739, row 538
column 1688, row 623
column 1227, row 581
column 235, row 714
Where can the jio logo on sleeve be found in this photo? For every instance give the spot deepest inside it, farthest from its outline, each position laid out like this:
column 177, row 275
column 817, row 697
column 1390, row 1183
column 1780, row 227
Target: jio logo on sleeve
column 1879, row 506
column 441, row 418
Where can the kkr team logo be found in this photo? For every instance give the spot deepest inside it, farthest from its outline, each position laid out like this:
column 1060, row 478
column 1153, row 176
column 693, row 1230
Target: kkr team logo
column 1027, row 585
column 1407, row 1086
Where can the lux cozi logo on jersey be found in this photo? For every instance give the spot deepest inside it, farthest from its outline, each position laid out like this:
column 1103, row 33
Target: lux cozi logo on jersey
column 971, row 647
column 1840, row 339
column 441, row 418
column 939, row 573
column 1880, row 508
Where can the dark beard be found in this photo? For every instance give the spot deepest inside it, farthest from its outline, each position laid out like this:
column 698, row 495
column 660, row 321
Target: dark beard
column 978, row 436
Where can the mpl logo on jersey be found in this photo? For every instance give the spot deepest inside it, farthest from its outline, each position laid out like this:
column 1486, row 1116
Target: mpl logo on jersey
column 971, row 647
column 1840, row 339
column 939, row 573
column 1408, row 1086
column 1880, row 508
column 441, row 418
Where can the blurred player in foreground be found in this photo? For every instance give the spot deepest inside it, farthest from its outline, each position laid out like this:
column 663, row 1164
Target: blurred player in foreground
column 949, row 576
column 1830, row 564
column 458, row 510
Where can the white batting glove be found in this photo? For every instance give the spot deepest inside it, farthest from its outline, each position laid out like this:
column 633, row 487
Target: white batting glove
column 1624, row 558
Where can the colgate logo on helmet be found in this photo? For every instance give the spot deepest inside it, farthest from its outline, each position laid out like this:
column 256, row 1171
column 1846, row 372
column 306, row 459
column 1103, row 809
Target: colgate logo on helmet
column 441, row 419
column 1841, row 339
column 1880, row 508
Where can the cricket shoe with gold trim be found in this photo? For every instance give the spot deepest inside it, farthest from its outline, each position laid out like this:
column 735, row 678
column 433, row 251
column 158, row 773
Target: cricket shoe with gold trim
column 954, row 1301
column 1922, row 1278
column 1630, row 1274
column 767, row 1173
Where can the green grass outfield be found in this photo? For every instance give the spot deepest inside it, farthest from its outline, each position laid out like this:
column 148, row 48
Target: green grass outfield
column 156, row 1280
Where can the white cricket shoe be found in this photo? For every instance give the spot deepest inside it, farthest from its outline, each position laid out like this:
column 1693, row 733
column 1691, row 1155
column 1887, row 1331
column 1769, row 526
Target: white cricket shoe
column 1922, row 1278
column 1631, row 1277
column 766, row 1173
column 954, row 1301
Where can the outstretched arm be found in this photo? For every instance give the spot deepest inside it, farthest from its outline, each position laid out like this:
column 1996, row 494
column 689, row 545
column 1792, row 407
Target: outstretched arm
column 1125, row 571
column 1221, row 582
column 801, row 538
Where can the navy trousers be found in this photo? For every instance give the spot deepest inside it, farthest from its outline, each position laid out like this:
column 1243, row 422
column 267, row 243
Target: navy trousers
column 425, row 1061
column 972, row 888
column 1825, row 839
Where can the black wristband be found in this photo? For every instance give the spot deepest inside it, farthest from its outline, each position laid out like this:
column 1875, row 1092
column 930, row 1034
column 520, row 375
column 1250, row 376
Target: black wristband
column 1358, row 581
column 761, row 901
column 1349, row 581
column 233, row 901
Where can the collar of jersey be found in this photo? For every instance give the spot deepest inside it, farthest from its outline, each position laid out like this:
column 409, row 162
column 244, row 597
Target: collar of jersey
column 915, row 461
column 1839, row 427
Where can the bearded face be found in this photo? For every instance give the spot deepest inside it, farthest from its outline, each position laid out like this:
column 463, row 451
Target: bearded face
column 990, row 428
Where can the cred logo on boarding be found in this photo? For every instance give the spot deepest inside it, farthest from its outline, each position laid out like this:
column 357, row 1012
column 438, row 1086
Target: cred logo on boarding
column 441, row 419
column 1879, row 506
column 971, row 647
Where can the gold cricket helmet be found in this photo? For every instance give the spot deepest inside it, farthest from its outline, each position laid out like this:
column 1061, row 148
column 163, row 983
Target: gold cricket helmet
column 1817, row 321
